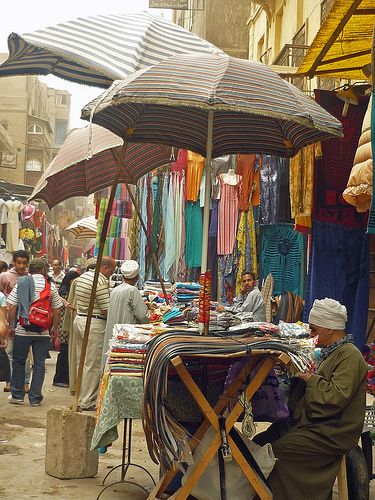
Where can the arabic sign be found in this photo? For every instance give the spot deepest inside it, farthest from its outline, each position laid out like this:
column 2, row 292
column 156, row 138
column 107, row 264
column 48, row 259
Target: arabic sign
column 169, row 4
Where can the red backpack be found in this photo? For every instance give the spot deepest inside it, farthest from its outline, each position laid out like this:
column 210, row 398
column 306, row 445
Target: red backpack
column 40, row 311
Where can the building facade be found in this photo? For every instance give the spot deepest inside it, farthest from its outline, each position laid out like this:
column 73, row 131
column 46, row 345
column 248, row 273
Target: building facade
column 36, row 119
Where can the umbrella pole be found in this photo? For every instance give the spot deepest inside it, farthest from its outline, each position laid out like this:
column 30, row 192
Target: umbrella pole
column 154, row 257
column 103, row 235
column 207, row 197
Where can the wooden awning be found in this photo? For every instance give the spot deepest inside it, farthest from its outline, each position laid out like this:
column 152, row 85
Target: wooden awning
column 342, row 46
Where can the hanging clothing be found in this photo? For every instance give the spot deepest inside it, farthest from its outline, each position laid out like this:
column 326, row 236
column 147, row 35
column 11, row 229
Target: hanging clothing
column 226, row 279
column 212, row 249
column 246, row 246
column 282, row 255
column 245, row 167
column 219, row 166
column 135, row 229
column 274, row 190
column 170, row 233
column 301, row 178
column 142, row 235
column 194, row 229
column 14, row 207
column 181, row 263
column 180, row 165
column 333, row 170
column 228, row 214
column 195, row 166
column 340, row 269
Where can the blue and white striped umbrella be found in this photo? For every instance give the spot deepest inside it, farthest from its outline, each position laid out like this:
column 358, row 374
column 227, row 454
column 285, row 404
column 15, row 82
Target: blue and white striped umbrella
column 98, row 50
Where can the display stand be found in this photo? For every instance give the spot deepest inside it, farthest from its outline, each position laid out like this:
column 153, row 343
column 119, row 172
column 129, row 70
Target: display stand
column 265, row 360
column 126, row 461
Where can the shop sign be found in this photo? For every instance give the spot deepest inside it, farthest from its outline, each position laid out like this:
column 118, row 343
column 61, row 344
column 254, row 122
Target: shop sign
column 169, row 4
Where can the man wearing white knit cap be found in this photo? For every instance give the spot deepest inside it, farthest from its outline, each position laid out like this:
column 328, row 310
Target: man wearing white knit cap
column 125, row 304
column 327, row 409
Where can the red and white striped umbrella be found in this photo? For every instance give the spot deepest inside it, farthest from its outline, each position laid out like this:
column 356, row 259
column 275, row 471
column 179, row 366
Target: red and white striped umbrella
column 87, row 162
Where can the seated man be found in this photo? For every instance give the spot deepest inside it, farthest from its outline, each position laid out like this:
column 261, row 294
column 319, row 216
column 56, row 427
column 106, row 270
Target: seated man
column 249, row 299
column 327, row 412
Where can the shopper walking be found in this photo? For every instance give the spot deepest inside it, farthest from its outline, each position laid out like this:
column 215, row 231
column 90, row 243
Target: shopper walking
column 61, row 378
column 8, row 280
column 91, row 370
column 26, row 291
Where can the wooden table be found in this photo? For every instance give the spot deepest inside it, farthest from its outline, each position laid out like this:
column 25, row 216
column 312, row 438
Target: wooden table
column 266, row 360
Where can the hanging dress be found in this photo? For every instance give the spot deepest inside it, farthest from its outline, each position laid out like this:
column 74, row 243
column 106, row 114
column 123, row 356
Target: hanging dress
column 14, row 207
column 228, row 215
column 194, row 171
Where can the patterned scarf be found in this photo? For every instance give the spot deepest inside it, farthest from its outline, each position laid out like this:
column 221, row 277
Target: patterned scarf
column 327, row 351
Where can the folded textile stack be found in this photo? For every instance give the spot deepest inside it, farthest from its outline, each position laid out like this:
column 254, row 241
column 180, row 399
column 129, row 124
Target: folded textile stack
column 155, row 287
column 127, row 351
column 174, row 317
column 184, row 293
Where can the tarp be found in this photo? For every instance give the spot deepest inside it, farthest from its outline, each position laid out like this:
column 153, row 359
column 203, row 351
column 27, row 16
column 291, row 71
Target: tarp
column 342, row 46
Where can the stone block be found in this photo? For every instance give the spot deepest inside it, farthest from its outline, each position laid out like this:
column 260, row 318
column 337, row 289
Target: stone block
column 68, row 443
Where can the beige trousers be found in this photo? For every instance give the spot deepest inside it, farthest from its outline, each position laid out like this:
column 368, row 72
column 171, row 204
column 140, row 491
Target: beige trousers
column 91, row 369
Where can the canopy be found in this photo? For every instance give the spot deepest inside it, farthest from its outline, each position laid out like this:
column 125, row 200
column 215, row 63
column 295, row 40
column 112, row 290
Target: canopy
column 84, row 228
column 87, row 162
column 256, row 111
column 342, row 46
column 100, row 49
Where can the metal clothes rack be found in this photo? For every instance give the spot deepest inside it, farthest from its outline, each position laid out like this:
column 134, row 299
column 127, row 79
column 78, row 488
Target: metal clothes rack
column 126, row 462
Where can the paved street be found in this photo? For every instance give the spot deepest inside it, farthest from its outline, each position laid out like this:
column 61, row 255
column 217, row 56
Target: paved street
column 22, row 453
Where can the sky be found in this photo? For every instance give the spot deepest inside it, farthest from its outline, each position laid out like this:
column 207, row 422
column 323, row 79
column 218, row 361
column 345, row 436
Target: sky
column 24, row 16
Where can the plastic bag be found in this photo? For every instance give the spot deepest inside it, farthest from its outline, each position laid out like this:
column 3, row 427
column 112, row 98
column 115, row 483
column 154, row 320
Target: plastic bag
column 236, row 484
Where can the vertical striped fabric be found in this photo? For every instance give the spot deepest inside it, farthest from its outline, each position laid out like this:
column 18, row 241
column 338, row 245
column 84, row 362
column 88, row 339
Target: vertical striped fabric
column 255, row 111
column 87, row 162
column 98, row 50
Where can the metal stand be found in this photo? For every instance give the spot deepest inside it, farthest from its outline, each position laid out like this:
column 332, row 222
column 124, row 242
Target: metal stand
column 126, row 461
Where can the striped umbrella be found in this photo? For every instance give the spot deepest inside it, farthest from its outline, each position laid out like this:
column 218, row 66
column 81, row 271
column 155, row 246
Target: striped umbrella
column 87, row 162
column 98, row 50
column 83, row 228
column 214, row 105
column 255, row 110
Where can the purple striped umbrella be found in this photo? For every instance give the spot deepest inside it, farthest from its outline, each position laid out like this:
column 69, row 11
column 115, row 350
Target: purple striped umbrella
column 87, row 162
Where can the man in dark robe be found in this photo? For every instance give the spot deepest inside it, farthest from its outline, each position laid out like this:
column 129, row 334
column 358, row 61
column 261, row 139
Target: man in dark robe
column 327, row 412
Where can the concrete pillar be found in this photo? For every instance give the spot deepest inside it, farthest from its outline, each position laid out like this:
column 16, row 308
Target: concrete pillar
column 68, row 444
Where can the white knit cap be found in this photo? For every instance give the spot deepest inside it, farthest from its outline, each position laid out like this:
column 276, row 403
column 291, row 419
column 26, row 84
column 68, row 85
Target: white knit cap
column 328, row 313
column 130, row 269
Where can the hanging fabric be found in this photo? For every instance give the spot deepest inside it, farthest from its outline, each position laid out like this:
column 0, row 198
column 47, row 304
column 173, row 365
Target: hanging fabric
column 246, row 246
column 193, row 241
column 245, row 168
column 334, row 168
column 228, row 213
column 282, row 255
column 170, row 232
column 194, row 171
column 340, row 269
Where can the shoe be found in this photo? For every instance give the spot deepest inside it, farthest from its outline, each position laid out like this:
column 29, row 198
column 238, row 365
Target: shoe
column 91, row 408
column 35, row 404
column 60, row 384
column 7, row 388
column 26, row 388
column 15, row 401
